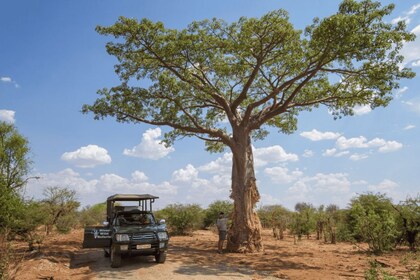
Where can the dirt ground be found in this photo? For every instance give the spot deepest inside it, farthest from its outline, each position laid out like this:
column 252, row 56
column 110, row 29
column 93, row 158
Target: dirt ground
column 195, row 257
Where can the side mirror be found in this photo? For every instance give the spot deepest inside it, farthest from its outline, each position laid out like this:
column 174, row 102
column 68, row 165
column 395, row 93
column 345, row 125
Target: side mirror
column 105, row 223
column 162, row 221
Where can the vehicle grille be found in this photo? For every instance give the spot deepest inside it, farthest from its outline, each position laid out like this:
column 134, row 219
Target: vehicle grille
column 143, row 236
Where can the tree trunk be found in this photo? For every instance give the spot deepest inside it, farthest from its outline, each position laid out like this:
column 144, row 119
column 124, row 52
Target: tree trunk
column 245, row 232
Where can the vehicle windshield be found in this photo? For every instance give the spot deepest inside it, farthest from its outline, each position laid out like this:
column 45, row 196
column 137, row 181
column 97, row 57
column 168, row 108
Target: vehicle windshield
column 140, row 219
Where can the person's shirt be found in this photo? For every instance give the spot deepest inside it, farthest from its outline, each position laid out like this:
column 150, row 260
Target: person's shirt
column 221, row 224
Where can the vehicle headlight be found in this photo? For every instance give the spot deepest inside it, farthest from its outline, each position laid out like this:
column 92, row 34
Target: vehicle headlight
column 122, row 237
column 162, row 235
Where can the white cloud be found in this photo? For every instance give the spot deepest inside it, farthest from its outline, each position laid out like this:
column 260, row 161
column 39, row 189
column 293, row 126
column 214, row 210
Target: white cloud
column 320, row 189
column 415, row 63
column 188, row 174
column 334, row 153
column 356, row 157
column 390, row 146
column 272, row 154
column 361, row 142
column 400, row 92
column 411, row 50
column 6, row 79
column 410, row 126
column 388, row 187
column 356, row 142
column 282, row 174
column 221, row 165
column 7, row 116
column 308, row 153
column 315, row 135
column 362, row 110
column 150, row 146
column 87, row 157
column 407, row 15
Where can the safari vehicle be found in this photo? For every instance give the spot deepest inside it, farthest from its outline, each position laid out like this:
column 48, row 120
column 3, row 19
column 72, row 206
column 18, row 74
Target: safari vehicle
column 129, row 230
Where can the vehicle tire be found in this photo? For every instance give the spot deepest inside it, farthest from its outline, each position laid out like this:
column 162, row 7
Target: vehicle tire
column 106, row 253
column 115, row 257
column 160, row 257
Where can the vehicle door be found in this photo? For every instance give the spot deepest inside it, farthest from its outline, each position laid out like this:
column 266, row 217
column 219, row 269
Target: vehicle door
column 97, row 237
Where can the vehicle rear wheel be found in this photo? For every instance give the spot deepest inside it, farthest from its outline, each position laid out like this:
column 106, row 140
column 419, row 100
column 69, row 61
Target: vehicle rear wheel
column 115, row 257
column 160, row 257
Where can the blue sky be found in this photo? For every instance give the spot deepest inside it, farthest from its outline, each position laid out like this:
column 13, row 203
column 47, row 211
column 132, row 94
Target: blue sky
column 52, row 62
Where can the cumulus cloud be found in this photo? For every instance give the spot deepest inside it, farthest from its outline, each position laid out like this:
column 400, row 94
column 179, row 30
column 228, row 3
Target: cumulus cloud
column 315, row 135
column 221, row 165
column 7, row 116
column 334, row 153
column 321, row 188
column 188, row 174
column 388, row 187
column 362, row 110
column 282, row 174
column 87, row 157
column 361, row 142
column 272, row 154
column 411, row 50
column 150, row 147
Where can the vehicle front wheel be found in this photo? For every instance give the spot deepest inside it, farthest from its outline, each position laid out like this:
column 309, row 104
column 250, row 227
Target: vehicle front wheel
column 160, row 257
column 115, row 257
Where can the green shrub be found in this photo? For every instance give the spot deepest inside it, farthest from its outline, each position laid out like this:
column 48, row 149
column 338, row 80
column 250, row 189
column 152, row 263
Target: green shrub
column 182, row 219
column 373, row 220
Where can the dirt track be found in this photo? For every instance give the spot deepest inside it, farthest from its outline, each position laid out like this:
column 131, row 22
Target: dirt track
column 195, row 257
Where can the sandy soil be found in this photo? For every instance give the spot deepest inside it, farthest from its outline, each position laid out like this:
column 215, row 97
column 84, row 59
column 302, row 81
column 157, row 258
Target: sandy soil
column 195, row 257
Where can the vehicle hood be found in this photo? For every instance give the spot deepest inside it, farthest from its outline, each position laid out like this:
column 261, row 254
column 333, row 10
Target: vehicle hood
column 137, row 229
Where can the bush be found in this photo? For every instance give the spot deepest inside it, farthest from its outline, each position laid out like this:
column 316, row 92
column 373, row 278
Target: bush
column 182, row 219
column 408, row 220
column 373, row 220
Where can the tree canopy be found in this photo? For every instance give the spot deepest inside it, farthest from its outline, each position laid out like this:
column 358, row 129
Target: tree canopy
column 255, row 72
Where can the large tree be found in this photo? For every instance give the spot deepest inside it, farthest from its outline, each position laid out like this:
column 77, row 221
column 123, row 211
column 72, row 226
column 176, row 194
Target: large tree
column 226, row 83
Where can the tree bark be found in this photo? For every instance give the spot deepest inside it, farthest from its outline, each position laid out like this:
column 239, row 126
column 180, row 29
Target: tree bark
column 245, row 233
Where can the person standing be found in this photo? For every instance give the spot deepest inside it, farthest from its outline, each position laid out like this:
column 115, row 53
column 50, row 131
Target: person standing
column 221, row 224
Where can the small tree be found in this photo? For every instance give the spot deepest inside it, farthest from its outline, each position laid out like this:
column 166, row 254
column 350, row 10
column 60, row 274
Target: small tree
column 276, row 217
column 212, row 212
column 373, row 220
column 305, row 219
column 332, row 217
column 60, row 204
column 320, row 220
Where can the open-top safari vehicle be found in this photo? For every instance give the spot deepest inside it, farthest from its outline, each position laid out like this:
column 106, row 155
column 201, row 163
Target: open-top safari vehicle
column 129, row 229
